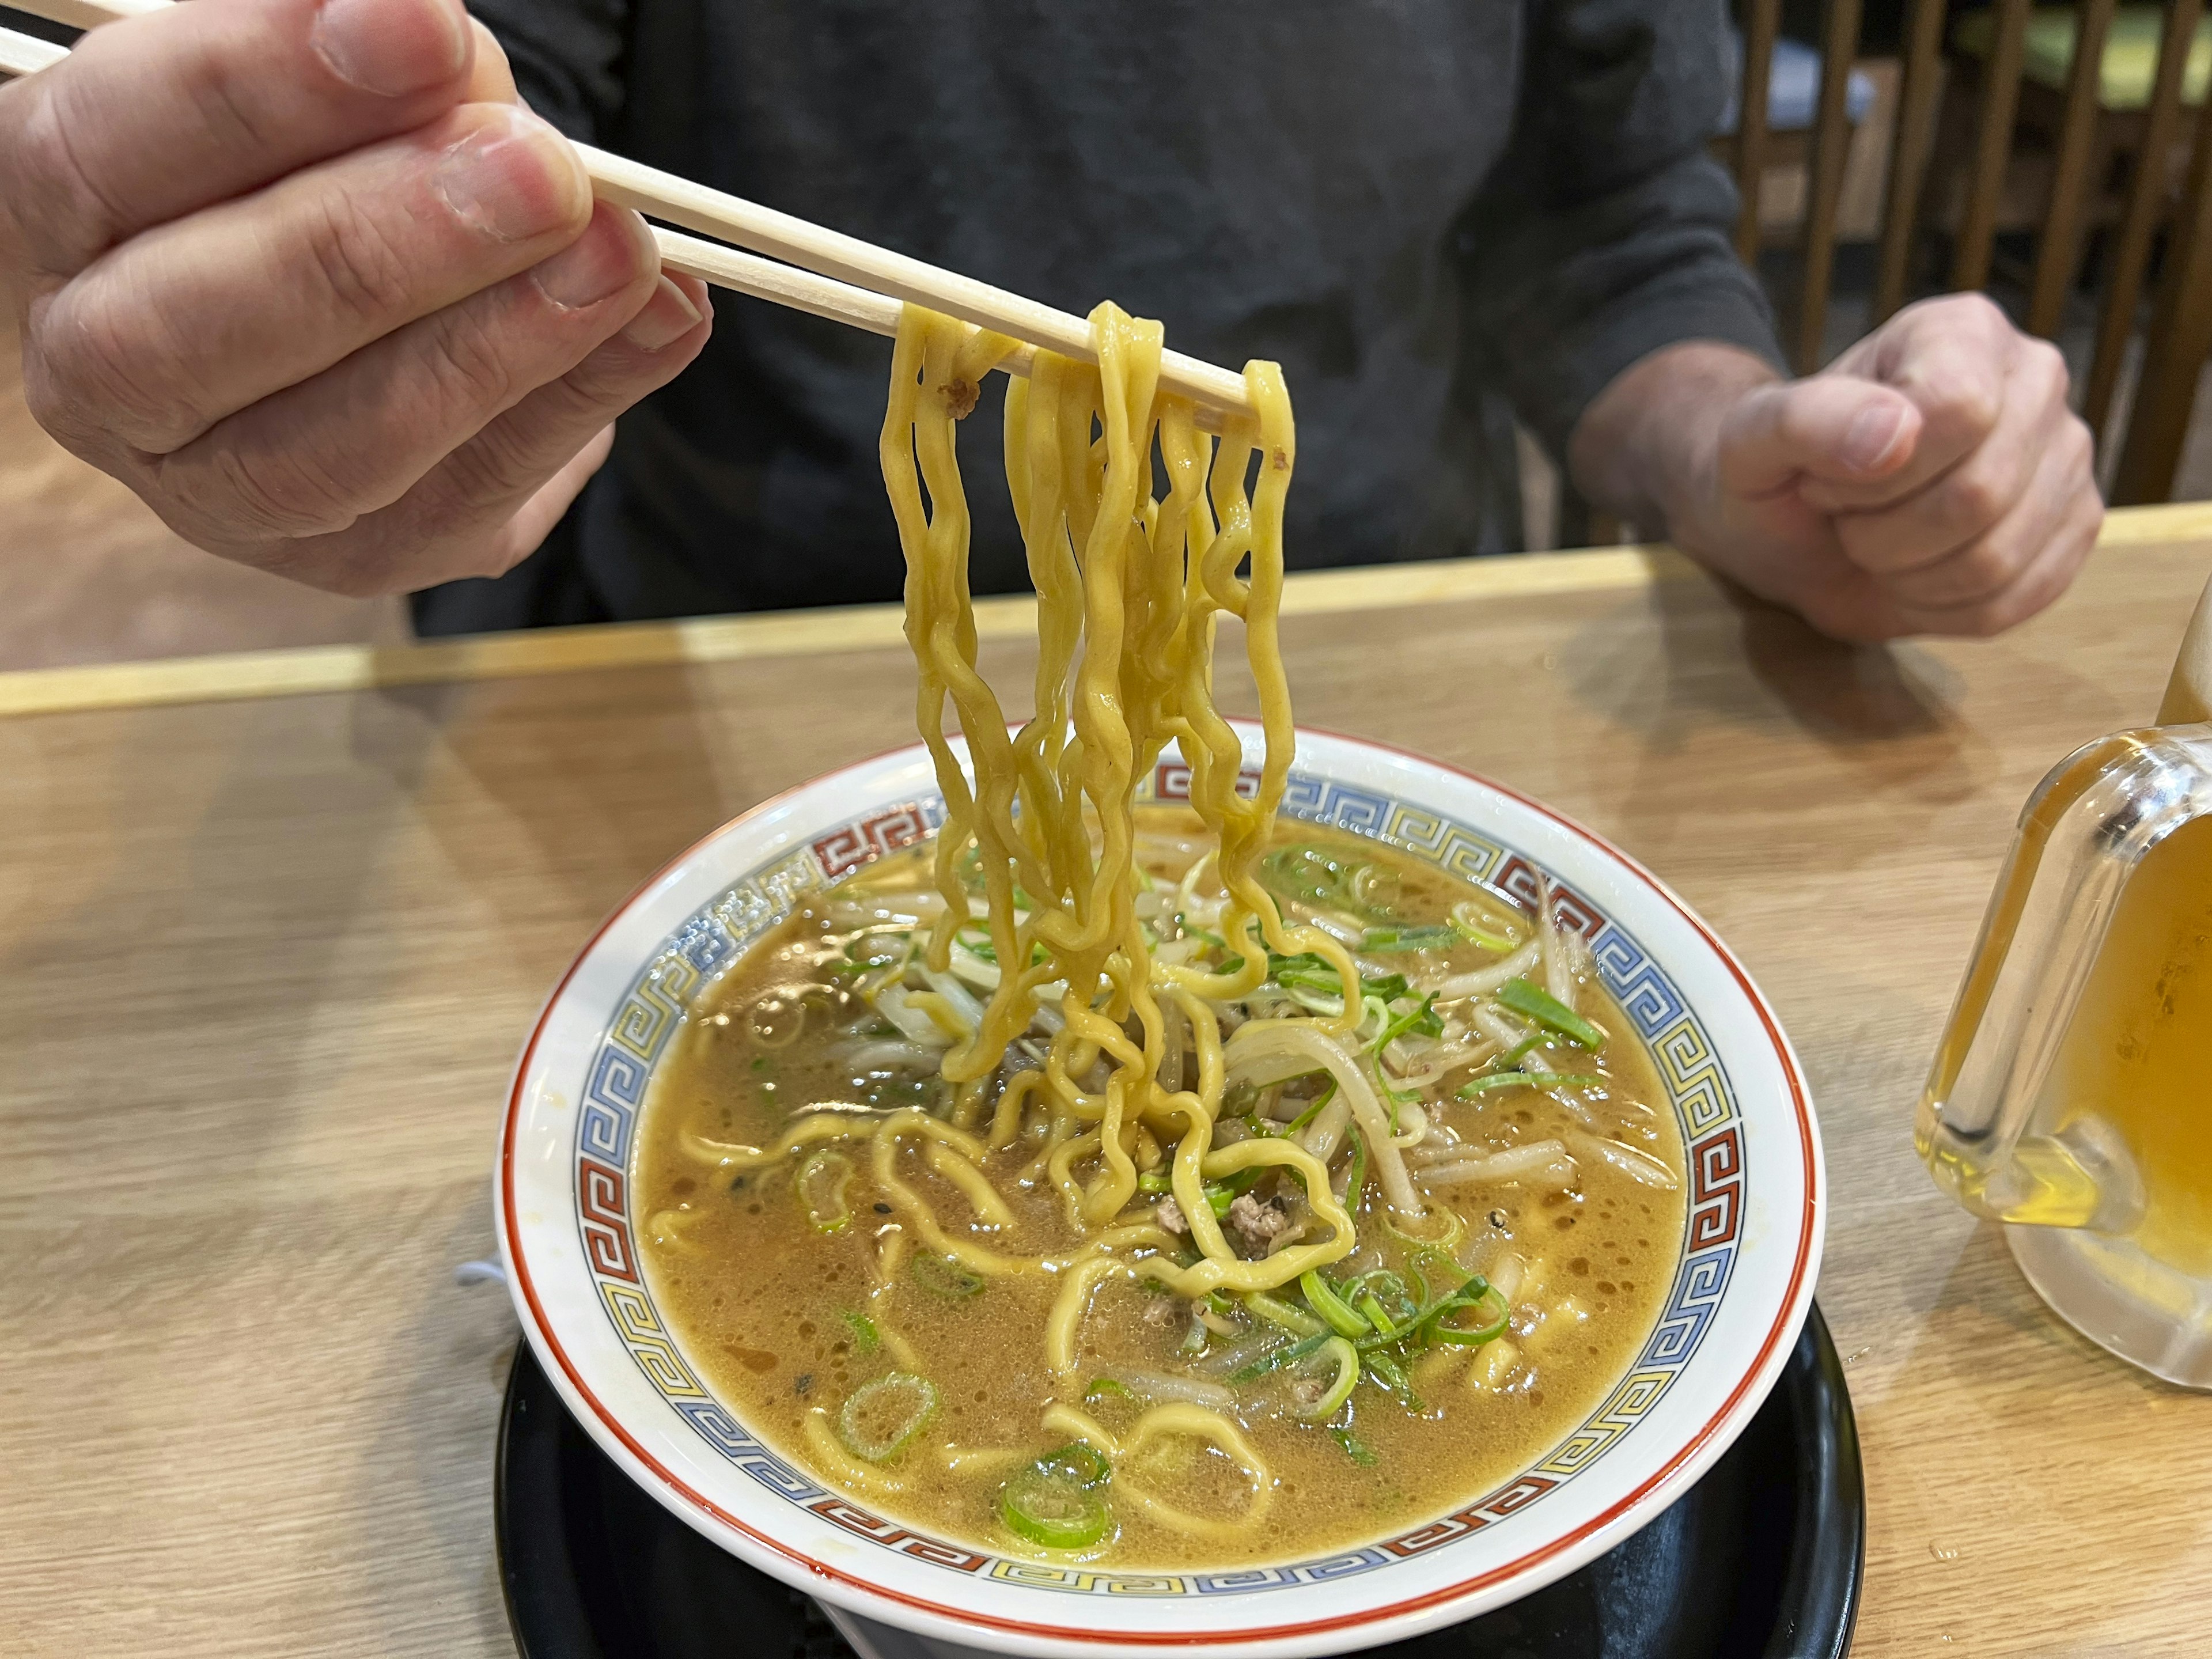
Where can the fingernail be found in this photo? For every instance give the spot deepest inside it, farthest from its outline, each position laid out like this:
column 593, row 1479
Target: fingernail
column 392, row 47
column 600, row 263
column 668, row 316
column 508, row 179
column 1869, row 438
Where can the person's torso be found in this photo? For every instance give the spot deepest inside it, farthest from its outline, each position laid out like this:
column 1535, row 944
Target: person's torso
column 1274, row 178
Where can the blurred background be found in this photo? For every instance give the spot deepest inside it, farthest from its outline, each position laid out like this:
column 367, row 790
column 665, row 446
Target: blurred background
column 2056, row 156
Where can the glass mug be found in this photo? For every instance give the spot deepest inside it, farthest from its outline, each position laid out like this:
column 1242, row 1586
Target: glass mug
column 2071, row 1096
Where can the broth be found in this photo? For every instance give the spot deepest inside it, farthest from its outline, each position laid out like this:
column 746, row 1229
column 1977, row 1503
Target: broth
column 789, row 1321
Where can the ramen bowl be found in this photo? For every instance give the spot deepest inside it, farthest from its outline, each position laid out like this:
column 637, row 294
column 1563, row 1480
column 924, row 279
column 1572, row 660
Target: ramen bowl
column 1740, row 1289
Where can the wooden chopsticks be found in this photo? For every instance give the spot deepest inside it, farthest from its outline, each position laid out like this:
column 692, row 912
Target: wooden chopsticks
column 24, row 54
column 825, row 271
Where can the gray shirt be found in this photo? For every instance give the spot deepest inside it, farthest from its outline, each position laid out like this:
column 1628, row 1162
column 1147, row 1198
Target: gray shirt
column 1433, row 213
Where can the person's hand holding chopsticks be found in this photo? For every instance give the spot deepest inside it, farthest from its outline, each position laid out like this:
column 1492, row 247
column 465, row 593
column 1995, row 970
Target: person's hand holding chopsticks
column 311, row 281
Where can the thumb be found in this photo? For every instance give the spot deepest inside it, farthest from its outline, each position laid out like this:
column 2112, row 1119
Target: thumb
column 1828, row 426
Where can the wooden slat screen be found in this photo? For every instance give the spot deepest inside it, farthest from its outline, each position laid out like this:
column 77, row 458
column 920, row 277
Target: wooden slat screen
column 1917, row 92
column 1762, row 26
column 2058, row 249
column 2148, row 194
column 1970, row 266
column 1832, row 142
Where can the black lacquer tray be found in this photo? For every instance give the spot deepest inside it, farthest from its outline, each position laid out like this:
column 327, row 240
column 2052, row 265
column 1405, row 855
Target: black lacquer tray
column 1761, row 1559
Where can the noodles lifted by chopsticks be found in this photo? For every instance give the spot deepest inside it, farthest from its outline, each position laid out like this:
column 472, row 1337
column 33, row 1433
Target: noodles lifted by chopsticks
column 965, row 1112
column 1129, row 585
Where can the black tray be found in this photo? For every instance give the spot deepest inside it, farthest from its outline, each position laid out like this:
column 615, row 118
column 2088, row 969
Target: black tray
column 1761, row 1559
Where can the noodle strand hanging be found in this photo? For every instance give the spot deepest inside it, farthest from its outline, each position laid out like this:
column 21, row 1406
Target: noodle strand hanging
column 1088, row 1178
column 1128, row 589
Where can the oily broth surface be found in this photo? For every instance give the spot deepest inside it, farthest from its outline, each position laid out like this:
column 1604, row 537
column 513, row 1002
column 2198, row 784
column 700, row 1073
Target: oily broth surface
column 758, row 1298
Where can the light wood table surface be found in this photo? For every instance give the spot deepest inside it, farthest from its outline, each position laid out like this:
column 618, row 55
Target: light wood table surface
column 271, row 928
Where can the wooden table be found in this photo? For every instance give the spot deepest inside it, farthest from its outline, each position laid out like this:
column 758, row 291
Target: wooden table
column 267, row 958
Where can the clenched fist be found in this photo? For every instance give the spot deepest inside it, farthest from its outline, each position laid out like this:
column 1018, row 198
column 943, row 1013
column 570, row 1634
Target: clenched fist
column 309, row 279
column 1932, row 480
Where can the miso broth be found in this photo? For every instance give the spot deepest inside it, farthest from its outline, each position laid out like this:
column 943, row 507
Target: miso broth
column 796, row 1282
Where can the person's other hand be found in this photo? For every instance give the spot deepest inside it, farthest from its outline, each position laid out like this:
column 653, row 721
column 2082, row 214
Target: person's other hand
column 309, row 279
column 1932, row 480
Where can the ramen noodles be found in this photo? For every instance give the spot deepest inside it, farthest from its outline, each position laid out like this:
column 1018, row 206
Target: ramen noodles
column 1145, row 1184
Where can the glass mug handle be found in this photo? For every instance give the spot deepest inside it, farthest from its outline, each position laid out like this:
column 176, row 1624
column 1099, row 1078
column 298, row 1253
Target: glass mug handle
column 1989, row 1128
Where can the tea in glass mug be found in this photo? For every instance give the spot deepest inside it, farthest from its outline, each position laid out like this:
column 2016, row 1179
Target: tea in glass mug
column 2071, row 1096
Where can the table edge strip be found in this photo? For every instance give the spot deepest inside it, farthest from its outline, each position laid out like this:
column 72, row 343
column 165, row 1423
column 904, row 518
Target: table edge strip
column 312, row 670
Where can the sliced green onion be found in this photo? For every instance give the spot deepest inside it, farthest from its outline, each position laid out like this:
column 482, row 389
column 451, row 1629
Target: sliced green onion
column 1294, row 1319
column 1329, row 1305
column 1051, row 1510
column 905, row 1399
column 1279, row 1357
column 1389, row 940
column 1511, row 1057
column 862, row 952
column 1348, row 1378
column 1385, row 1327
column 1220, row 1195
column 1443, row 1325
column 1490, row 1080
column 865, row 1337
column 943, row 1276
column 1464, row 926
column 1103, row 1387
column 1534, row 1078
column 820, row 1185
column 1310, row 971
column 1354, row 1448
column 1388, row 1286
column 1310, row 1113
column 1357, row 1177
column 1421, row 1255
column 1085, row 1464
column 1540, row 1005
column 1193, row 1339
column 1488, row 941
column 1390, row 1029
column 1306, row 872
column 1363, row 879
column 1307, row 969
column 1382, row 1365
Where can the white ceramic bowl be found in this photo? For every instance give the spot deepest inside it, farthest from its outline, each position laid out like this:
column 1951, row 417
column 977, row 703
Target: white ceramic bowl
column 1757, row 1210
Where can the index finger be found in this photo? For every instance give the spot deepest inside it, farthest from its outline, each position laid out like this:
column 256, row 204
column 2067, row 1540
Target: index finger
column 1949, row 358
column 157, row 116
